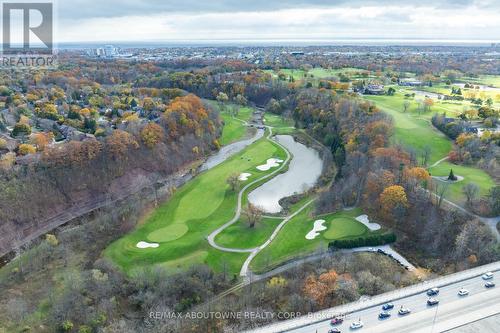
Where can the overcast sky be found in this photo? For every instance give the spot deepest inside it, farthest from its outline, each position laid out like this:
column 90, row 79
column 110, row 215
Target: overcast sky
column 155, row 20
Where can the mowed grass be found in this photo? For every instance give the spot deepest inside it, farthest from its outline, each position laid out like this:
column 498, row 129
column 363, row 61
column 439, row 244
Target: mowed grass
column 234, row 127
column 202, row 205
column 241, row 236
column 471, row 175
column 277, row 121
column 291, row 242
column 411, row 131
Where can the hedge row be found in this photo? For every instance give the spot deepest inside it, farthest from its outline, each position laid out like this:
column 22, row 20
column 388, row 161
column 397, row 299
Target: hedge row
column 373, row 240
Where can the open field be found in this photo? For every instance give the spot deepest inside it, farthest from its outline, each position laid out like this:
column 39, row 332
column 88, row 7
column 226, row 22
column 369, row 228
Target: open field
column 414, row 131
column 234, row 128
column 241, row 236
column 277, row 121
column 320, row 73
column 181, row 225
column 291, row 241
column 411, row 130
column 471, row 175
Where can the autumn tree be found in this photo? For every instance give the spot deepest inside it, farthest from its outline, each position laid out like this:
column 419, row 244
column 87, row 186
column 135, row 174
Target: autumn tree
column 152, row 134
column 222, row 99
column 319, row 289
column 428, row 103
column 393, row 202
column 25, row 149
column 118, row 143
column 41, row 140
column 253, row 215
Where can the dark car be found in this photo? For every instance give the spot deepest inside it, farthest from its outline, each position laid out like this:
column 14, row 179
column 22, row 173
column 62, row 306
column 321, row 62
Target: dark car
column 489, row 284
column 383, row 315
column 432, row 292
column 336, row 321
column 387, row 306
column 334, row 330
column 381, row 251
column 432, row 301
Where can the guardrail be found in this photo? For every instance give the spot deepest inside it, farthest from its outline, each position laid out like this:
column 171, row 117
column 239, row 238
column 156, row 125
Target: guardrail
column 328, row 314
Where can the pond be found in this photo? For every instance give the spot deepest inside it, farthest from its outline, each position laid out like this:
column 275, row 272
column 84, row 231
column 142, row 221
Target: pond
column 303, row 172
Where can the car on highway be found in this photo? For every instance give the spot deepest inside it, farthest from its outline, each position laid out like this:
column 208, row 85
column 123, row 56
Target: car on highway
column 403, row 311
column 357, row 324
column 384, row 314
column 387, row 306
column 381, row 251
column 489, row 284
column 432, row 301
column 337, row 321
column 334, row 330
column 463, row 292
column 487, row 276
column 433, row 292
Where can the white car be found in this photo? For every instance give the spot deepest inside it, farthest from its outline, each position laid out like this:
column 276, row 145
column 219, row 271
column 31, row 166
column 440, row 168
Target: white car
column 487, row 276
column 403, row 311
column 463, row 292
column 357, row 324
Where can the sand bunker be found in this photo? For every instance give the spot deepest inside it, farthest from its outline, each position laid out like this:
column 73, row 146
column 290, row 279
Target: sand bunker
column 145, row 245
column 244, row 176
column 318, row 226
column 364, row 219
column 271, row 163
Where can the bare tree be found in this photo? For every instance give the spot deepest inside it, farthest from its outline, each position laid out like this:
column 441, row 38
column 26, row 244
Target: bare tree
column 426, row 154
column 253, row 215
column 471, row 190
column 406, row 105
column 234, row 182
column 441, row 189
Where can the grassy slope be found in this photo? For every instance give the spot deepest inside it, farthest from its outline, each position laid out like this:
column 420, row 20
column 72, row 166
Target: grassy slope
column 234, row 129
column 202, row 205
column 291, row 241
column 412, row 131
column 477, row 176
column 241, row 236
column 276, row 121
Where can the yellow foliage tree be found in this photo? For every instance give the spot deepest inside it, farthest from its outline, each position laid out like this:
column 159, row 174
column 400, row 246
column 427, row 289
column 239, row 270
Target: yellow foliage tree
column 152, row 134
column 25, row 149
column 392, row 198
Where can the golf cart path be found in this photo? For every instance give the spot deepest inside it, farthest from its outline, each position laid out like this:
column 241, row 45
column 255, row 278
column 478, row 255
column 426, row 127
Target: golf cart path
column 438, row 162
column 211, row 237
column 244, row 269
column 491, row 222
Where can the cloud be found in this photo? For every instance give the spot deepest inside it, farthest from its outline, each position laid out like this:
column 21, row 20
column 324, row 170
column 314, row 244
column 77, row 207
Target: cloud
column 143, row 21
column 77, row 9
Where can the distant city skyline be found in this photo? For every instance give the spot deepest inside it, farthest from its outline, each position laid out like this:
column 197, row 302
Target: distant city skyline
column 121, row 21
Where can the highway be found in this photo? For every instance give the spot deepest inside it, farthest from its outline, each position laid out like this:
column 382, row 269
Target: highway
column 452, row 310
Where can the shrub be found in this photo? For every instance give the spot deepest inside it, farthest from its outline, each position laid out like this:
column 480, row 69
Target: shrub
column 25, row 149
column 21, row 129
column 373, row 240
